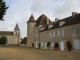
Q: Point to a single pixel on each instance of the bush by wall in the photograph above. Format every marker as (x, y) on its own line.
(48, 44)
(3, 40)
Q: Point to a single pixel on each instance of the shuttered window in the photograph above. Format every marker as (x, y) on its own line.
(74, 31)
(41, 43)
(52, 34)
(61, 33)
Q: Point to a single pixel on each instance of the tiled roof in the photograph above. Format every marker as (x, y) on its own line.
(16, 27)
(6, 33)
(24, 41)
(42, 20)
(31, 19)
(68, 21)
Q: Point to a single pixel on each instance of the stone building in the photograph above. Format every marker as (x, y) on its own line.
(13, 37)
(24, 42)
(43, 30)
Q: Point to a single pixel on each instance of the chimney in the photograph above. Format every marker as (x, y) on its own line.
(47, 20)
(74, 13)
(56, 20)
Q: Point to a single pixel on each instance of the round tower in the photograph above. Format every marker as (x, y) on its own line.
(31, 32)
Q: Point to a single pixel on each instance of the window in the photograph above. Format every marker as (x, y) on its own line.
(61, 33)
(52, 34)
(60, 23)
(40, 29)
(74, 31)
(41, 43)
(52, 45)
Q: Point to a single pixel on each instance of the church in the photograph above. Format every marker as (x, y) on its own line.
(13, 37)
(44, 30)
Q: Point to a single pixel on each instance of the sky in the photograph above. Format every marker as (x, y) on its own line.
(19, 11)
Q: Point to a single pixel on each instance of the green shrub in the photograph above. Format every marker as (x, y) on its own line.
(56, 46)
(69, 45)
(3, 40)
(48, 44)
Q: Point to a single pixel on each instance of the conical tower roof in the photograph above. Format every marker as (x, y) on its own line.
(16, 27)
(31, 19)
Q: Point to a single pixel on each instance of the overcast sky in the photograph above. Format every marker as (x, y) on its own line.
(19, 12)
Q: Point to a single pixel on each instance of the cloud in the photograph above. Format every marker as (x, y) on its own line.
(20, 11)
(56, 8)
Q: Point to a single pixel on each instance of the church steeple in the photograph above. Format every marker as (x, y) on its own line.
(31, 19)
(17, 27)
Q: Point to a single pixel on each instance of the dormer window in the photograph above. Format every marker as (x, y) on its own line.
(41, 27)
(61, 23)
(50, 26)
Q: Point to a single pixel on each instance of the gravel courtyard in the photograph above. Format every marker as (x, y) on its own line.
(21, 53)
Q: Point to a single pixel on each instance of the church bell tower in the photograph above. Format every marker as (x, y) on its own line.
(16, 35)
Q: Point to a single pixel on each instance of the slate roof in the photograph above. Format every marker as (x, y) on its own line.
(31, 19)
(68, 21)
(16, 27)
(6, 33)
(42, 20)
(24, 41)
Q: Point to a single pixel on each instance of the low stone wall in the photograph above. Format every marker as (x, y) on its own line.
(23, 45)
(3, 45)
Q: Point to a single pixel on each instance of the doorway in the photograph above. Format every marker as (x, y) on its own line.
(33, 45)
(76, 44)
(61, 45)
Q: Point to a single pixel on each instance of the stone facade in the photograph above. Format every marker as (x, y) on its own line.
(68, 36)
(31, 32)
(60, 31)
(13, 37)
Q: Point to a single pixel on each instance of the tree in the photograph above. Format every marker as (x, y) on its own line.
(3, 40)
(56, 46)
(69, 45)
(48, 44)
(3, 9)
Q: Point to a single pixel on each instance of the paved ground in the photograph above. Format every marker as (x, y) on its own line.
(20, 53)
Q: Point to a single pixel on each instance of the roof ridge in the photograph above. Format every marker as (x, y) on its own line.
(42, 18)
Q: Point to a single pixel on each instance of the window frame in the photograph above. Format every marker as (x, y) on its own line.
(61, 33)
(73, 31)
(52, 34)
